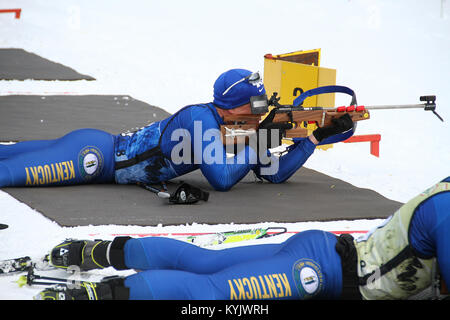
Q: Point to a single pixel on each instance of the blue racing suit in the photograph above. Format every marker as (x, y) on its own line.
(185, 141)
(305, 266)
(429, 231)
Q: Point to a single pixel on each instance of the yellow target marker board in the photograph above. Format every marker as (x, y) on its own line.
(290, 74)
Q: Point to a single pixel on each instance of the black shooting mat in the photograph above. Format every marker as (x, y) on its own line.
(28, 117)
(307, 196)
(18, 64)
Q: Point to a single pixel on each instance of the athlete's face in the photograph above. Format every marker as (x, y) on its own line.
(245, 109)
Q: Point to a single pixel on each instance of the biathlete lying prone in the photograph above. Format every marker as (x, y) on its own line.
(151, 155)
(394, 261)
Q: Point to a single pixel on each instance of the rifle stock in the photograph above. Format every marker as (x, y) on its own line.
(236, 126)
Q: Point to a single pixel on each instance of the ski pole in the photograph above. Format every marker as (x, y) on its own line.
(30, 278)
(159, 193)
(30, 281)
(267, 235)
(23, 281)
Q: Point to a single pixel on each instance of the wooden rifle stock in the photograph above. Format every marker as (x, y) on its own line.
(238, 128)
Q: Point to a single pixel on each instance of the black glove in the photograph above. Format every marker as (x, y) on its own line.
(187, 194)
(341, 124)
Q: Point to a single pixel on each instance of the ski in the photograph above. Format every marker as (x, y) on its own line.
(22, 264)
(212, 239)
(15, 265)
(3, 226)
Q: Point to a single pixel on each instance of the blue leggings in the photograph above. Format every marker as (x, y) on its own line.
(82, 156)
(304, 266)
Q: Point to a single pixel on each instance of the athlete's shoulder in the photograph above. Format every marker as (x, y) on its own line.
(201, 111)
(200, 107)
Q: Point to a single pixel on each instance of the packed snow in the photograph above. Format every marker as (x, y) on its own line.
(168, 54)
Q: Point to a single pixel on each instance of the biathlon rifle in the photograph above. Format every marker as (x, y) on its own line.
(292, 120)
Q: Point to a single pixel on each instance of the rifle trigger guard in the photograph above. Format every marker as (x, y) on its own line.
(291, 117)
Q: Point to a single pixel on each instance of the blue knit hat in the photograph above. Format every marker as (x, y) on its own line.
(232, 90)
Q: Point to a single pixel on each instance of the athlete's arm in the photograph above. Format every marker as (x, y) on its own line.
(301, 150)
(279, 169)
(221, 170)
(429, 231)
(442, 236)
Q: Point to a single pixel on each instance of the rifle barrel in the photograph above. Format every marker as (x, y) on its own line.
(429, 106)
(402, 106)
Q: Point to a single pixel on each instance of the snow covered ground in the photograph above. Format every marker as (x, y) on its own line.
(168, 54)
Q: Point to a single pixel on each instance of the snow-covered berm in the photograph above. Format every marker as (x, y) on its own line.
(168, 54)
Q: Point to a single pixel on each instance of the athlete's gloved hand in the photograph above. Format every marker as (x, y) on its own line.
(340, 125)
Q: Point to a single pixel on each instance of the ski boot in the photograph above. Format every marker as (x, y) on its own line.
(86, 254)
(89, 254)
(110, 288)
